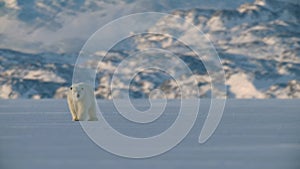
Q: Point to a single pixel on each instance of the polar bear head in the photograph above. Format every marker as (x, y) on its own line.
(78, 91)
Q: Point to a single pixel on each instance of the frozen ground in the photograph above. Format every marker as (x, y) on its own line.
(253, 134)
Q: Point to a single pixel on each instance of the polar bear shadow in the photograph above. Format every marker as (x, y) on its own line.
(81, 102)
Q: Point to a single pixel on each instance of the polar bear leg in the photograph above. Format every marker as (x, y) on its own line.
(72, 110)
(82, 113)
(92, 115)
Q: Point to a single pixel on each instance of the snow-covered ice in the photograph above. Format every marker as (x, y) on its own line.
(252, 134)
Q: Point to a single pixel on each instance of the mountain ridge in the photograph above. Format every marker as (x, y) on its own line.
(258, 43)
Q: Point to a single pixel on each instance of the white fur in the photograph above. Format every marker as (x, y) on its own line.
(81, 101)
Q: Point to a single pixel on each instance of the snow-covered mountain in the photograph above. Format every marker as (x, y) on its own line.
(44, 75)
(259, 44)
(64, 26)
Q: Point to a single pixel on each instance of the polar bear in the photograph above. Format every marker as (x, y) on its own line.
(81, 101)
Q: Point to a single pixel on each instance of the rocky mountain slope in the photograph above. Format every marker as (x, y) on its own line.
(259, 44)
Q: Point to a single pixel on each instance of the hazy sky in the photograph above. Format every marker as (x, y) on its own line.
(37, 26)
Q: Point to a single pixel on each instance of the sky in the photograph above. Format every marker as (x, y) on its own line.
(63, 27)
